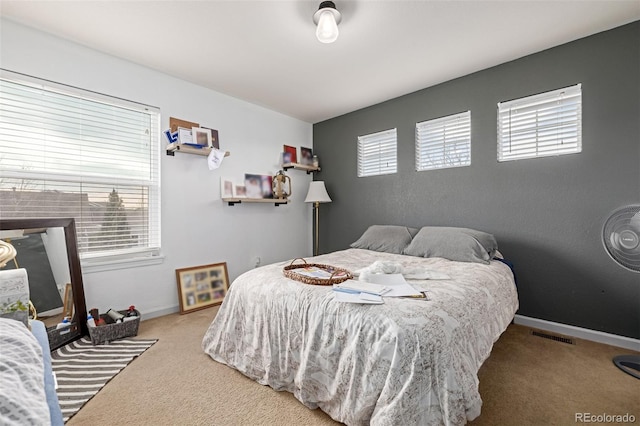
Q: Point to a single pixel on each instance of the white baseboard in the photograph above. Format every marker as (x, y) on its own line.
(580, 333)
(159, 312)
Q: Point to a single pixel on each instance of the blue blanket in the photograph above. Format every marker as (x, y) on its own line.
(40, 331)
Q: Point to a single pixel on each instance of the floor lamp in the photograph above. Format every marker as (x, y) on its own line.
(317, 194)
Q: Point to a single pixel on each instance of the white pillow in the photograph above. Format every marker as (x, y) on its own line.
(14, 295)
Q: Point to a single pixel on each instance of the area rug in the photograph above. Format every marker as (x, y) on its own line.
(82, 369)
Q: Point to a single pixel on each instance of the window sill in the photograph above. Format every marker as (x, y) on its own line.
(90, 266)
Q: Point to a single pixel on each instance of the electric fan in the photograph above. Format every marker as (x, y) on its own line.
(621, 238)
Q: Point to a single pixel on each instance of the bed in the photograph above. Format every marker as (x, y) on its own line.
(27, 389)
(27, 383)
(407, 361)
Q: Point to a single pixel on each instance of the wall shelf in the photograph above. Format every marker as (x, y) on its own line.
(275, 201)
(298, 166)
(173, 147)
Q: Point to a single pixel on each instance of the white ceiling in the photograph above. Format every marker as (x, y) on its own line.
(265, 52)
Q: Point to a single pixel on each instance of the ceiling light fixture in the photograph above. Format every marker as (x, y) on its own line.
(327, 19)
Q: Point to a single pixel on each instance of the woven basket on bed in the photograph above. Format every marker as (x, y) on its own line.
(338, 275)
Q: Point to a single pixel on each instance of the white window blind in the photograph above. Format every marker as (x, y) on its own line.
(444, 142)
(73, 153)
(377, 153)
(541, 125)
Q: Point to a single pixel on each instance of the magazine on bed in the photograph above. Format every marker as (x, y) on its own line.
(316, 272)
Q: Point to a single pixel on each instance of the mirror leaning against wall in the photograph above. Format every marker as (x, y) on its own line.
(46, 266)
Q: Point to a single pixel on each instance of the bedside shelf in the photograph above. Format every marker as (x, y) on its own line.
(298, 166)
(275, 201)
(173, 147)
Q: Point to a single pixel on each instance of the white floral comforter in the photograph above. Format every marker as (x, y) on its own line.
(406, 362)
(22, 392)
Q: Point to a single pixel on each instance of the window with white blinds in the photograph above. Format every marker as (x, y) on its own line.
(73, 153)
(541, 125)
(444, 142)
(377, 153)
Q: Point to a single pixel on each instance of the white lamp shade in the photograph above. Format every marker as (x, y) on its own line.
(317, 193)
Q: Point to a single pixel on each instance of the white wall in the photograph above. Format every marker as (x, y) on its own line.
(197, 228)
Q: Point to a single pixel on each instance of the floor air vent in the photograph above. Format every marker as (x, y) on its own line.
(562, 339)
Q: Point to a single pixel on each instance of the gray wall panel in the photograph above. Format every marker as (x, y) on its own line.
(546, 213)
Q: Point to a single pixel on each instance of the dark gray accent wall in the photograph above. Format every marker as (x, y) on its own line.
(546, 213)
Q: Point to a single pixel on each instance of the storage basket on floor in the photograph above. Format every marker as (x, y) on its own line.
(112, 330)
(61, 336)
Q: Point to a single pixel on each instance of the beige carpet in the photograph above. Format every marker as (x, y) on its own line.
(528, 380)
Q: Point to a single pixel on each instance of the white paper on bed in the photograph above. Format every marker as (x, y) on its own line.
(398, 285)
(364, 298)
(353, 286)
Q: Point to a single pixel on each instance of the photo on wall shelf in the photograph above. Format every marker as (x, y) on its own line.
(307, 156)
(231, 188)
(215, 140)
(175, 123)
(185, 136)
(289, 155)
(201, 137)
(202, 286)
(226, 187)
(258, 186)
(239, 191)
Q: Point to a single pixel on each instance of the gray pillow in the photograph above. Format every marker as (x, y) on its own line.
(459, 244)
(385, 238)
